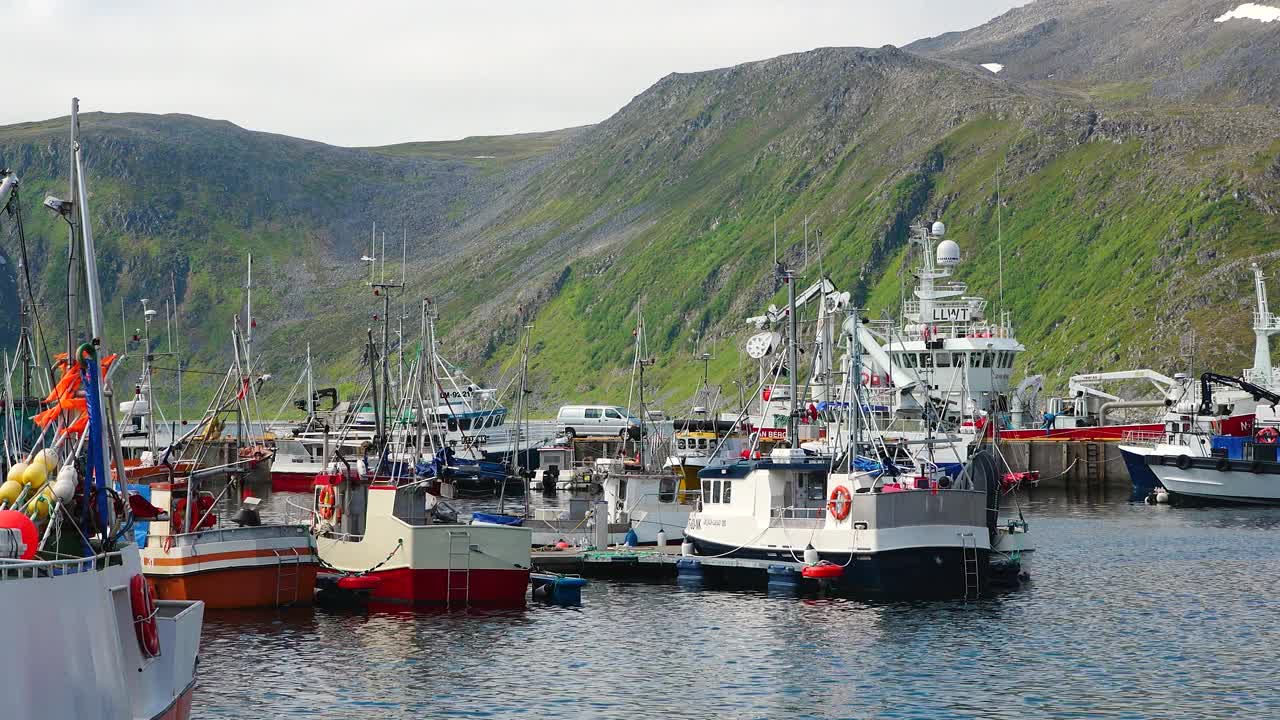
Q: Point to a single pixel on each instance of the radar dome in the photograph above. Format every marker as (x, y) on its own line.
(939, 228)
(948, 253)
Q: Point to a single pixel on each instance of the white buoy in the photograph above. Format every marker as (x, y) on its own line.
(662, 538)
(64, 488)
(811, 555)
(686, 547)
(1162, 496)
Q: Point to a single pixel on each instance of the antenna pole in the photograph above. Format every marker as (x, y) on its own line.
(1000, 236)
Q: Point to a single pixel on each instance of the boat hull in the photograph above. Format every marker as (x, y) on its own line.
(1139, 474)
(433, 587)
(923, 572)
(181, 707)
(241, 587)
(1218, 480)
(233, 568)
(293, 480)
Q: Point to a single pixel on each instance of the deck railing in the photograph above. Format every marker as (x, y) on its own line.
(11, 569)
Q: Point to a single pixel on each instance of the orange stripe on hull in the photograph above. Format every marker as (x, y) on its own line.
(216, 557)
(239, 588)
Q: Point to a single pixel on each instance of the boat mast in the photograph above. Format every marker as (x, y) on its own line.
(793, 428)
(248, 318)
(372, 351)
(417, 396)
(80, 195)
(522, 411)
(311, 390)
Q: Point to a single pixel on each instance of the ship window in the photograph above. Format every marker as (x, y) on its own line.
(611, 413)
(704, 444)
(453, 425)
(926, 360)
(910, 359)
(593, 413)
(986, 359)
(706, 491)
(957, 359)
(728, 486)
(679, 443)
(943, 359)
(715, 491)
(667, 490)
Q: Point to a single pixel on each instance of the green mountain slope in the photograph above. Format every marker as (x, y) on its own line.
(1127, 220)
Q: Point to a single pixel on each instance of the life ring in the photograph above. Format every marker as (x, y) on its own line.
(1183, 462)
(841, 502)
(327, 503)
(144, 616)
(1267, 435)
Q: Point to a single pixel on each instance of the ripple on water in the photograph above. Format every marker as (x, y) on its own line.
(1134, 612)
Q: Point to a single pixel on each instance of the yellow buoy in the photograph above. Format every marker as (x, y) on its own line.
(15, 472)
(10, 490)
(36, 475)
(41, 504)
(47, 457)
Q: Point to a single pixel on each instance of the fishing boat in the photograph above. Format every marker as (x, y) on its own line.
(1207, 468)
(393, 541)
(240, 562)
(854, 521)
(89, 639)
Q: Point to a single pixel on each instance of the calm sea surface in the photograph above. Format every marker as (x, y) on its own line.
(1133, 611)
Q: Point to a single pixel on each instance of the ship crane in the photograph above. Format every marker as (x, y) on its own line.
(1265, 325)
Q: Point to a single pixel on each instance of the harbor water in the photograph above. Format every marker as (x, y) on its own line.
(1134, 611)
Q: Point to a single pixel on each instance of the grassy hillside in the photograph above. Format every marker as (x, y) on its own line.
(1126, 222)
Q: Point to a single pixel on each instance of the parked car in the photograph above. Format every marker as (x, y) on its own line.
(595, 420)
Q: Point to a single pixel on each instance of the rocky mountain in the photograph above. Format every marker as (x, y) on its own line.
(1221, 51)
(1126, 217)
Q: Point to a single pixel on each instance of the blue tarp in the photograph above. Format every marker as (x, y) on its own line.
(1233, 445)
(496, 519)
(141, 527)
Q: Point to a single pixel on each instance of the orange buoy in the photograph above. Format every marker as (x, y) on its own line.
(823, 571)
(14, 520)
(144, 616)
(841, 502)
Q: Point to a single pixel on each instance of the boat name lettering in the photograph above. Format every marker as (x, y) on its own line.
(950, 314)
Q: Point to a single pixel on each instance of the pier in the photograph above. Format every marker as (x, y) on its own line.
(1069, 462)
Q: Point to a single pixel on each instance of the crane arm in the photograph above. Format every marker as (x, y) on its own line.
(1208, 380)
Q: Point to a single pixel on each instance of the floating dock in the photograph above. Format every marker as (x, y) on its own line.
(658, 564)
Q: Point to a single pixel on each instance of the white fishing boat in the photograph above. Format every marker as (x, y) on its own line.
(1213, 468)
(88, 639)
(855, 522)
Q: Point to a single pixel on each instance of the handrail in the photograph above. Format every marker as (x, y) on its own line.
(27, 569)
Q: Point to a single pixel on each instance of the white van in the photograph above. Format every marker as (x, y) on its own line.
(580, 420)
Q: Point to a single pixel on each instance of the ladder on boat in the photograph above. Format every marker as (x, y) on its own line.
(969, 554)
(288, 576)
(458, 576)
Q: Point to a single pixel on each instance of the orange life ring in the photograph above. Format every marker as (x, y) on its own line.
(327, 504)
(144, 616)
(841, 502)
(1267, 436)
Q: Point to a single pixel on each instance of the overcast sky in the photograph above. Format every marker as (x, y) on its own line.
(372, 72)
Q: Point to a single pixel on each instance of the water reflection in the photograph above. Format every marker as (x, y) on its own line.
(1134, 611)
